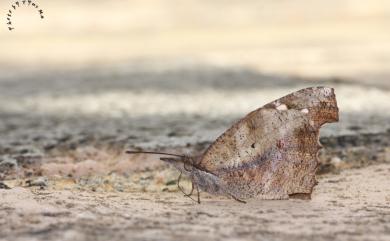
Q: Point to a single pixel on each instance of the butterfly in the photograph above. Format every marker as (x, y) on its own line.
(271, 153)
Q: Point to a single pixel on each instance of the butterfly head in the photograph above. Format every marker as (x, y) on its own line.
(184, 164)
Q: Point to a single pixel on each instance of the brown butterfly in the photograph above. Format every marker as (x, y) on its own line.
(271, 153)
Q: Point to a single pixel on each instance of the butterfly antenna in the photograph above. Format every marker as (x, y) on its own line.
(153, 152)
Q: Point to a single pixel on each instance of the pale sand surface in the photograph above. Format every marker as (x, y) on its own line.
(354, 205)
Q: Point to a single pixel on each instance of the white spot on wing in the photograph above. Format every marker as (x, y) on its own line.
(282, 107)
(327, 91)
(305, 111)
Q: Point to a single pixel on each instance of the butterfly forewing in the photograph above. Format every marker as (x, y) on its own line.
(272, 151)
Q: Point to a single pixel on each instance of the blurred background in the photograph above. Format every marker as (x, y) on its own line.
(305, 38)
(164, 74)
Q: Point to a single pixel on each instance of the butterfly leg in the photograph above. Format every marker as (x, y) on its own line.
(178, 183)
(238, 200)
(192, 190)
(182, 190)
(197, 190)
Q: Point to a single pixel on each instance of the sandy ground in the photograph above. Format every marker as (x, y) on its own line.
(353, 205)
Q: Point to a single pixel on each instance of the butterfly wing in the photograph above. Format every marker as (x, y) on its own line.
(272, 152)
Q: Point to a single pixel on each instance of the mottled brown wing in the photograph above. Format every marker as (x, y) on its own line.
(272, 152)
